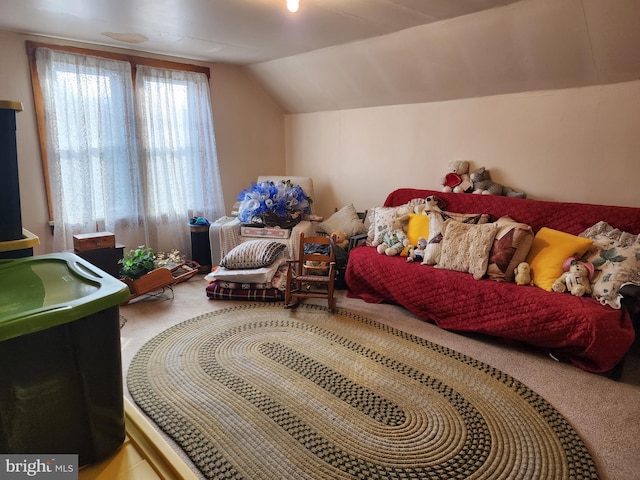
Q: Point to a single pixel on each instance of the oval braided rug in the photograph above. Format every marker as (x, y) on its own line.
(260, 392)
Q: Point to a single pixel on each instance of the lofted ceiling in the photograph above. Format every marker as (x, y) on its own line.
(342, 54)
(234, 31)
(524, 46)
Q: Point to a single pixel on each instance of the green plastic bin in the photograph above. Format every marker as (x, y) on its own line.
(60, 365)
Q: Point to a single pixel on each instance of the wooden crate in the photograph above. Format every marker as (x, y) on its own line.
(92, 241)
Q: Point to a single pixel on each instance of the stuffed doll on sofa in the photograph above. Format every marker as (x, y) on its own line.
(576, 280)
(393, 240)
(415, 253)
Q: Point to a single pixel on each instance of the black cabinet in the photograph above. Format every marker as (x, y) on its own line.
(105, 258)
(200, 247)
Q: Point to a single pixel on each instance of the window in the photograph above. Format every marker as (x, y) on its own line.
(128, 147)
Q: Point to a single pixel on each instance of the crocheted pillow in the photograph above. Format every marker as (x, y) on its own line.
(465, 247)
(436, 220)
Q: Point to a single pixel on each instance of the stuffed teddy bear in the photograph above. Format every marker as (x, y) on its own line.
(576, 281)
(457, 180)
(416, 252)
(340, 239)
(482, 183)
(523, 274)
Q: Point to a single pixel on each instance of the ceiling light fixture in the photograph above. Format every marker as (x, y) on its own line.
(292, 5)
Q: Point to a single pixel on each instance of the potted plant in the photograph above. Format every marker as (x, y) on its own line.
(141, 273)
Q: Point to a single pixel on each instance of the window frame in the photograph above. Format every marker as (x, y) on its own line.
(133, 60)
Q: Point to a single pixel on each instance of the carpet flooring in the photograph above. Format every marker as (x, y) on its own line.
(257, 391)
(603, 412)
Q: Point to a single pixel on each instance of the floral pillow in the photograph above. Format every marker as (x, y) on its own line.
(436, 220)
(603, 228)
(465, 247)
(381, 220)
(616, 258)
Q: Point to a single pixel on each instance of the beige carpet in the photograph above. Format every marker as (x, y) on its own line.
(602, 412)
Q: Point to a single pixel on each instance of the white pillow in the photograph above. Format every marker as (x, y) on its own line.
(346, 220)
(253, 275)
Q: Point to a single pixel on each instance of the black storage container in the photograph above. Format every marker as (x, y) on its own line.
(61, 371)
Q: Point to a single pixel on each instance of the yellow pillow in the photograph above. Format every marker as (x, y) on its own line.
(417, 227)
(549, 249)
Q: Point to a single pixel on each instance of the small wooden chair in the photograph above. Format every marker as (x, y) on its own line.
(312, 274)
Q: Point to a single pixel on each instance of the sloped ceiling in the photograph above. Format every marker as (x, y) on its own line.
(231, 31)
(341, 54)
(522, 46)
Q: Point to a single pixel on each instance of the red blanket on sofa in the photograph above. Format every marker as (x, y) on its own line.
(580, 330)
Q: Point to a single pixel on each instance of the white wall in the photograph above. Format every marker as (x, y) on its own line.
(249, 130)
(580, 145)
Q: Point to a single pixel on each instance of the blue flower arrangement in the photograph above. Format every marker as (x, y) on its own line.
(284, 199)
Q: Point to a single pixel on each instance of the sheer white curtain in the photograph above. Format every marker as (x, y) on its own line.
(180, 163)
(94, 171)
(139, 168)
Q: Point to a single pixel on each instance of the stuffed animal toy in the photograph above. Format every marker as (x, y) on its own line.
(457, 180)
(393, 243)
(394, 240)
(576, 281)
(431, 204)
(416, 252)
(415, 205)
(340, 239)
(482, 183)
(523, 274)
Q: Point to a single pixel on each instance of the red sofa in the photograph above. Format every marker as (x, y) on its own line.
(579, 330)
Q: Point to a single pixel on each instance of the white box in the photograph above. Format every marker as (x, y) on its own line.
(279, 233)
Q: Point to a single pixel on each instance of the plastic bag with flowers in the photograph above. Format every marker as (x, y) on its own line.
(270, 204)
